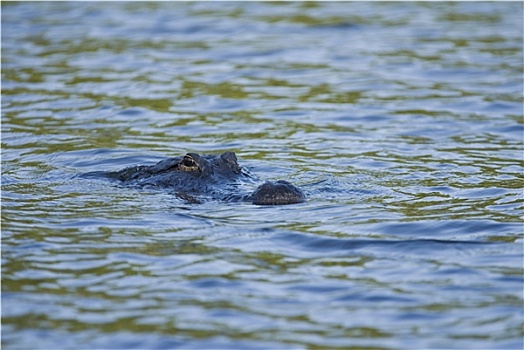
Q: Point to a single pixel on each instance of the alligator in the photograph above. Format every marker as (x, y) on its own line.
(195, 176)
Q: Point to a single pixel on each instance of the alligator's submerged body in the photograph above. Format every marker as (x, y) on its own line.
(193, 176)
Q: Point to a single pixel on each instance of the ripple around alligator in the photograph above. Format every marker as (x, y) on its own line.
(402, 123)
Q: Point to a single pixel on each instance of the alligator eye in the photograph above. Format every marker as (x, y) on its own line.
(188, 161)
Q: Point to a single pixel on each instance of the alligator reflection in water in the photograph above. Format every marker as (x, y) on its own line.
(195, 175)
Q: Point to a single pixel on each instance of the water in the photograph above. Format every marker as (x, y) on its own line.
(402, 122)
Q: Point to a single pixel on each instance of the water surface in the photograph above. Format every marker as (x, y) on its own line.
(402, 122)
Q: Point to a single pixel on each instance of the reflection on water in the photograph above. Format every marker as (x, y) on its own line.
(401, 121)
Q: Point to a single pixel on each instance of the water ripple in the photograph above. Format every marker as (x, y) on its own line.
(402, 122)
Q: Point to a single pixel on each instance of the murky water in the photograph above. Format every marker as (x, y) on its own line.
(402, 122)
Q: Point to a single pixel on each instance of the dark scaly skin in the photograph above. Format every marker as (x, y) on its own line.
(278, 192)
(214, 176)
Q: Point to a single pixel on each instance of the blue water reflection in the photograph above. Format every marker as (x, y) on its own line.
(402, 123)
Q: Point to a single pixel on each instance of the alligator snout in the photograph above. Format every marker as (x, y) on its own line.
(276, 193)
